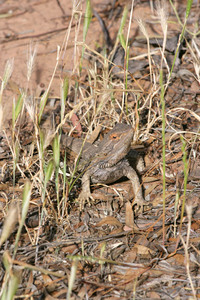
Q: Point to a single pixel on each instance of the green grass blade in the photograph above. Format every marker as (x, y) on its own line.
(56, 150)
(72, 278)
(163, 146)
(188, 8)
(18, 106)
(12, 287)
(86, 24)
(25, 200)
(9, 224)
(25, 205)
(121, 28)
(87, 19)
(49, 171)
(42, 106)
(64, 93)
(56, 156)
(185, 171)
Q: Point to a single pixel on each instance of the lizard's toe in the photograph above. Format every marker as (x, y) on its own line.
(140, 202)
(84, 197)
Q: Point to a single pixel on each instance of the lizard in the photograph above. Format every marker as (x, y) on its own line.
(107, 162)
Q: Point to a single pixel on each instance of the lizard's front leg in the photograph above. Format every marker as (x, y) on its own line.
(131, 174)
(85, 194)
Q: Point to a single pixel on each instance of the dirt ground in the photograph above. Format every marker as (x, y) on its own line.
(44, 24)
(113, 250)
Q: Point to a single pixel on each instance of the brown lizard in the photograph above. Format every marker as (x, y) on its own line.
(107, 162)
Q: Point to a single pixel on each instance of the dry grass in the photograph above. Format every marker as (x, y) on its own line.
(92, 254)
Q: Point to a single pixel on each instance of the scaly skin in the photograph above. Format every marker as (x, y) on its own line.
(106, 163)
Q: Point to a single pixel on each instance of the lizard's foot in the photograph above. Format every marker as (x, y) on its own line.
(85, 197)
(140, 202)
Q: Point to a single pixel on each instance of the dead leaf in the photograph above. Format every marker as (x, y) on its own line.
(143, 250)
(153, 295)
(129, 215)
(76, 123)
(94, 134)
(109, 221)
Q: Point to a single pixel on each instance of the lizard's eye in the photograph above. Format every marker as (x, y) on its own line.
(114, 137)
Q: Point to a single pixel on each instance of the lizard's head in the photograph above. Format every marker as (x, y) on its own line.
(116, 143)
(121, 137)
